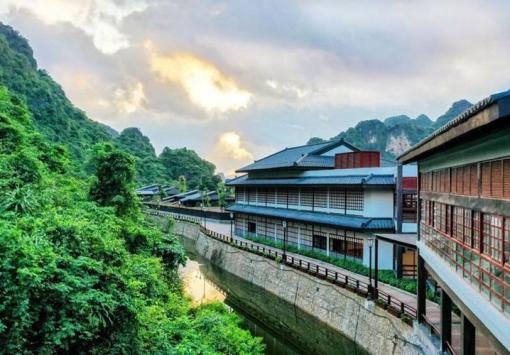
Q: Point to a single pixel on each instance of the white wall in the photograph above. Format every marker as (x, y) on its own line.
(385, 255)
(409, 228)
(378, 203)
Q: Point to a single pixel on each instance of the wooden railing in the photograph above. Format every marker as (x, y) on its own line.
(362, 288)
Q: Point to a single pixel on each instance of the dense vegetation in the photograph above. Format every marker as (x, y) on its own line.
(394, 135)
(81, 269)
(61, 122)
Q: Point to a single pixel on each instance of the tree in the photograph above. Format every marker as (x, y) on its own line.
(222, 195)
(204, 194)
(114, 179)
(182, 184)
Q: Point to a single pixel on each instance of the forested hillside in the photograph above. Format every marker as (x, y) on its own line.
(394, 135)
(61, 122)
(81, 269)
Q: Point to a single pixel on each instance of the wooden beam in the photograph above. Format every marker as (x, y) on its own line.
(468, 336)
(421, 290)
(446, 320)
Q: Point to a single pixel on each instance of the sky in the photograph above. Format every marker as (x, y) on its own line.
(237, 80)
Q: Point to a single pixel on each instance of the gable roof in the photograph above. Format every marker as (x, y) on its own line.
(463, 124)
(303, 156)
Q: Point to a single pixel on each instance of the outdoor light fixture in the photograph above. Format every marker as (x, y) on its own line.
(284, 224)
(231, 215)
(370, 242)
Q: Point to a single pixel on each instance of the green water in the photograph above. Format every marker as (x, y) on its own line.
(286, 330)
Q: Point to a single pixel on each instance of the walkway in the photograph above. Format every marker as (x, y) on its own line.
(398, 299)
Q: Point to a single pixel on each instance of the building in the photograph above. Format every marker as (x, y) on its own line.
(150, 192)
(198, 198)
(329, 197)
(464, 223)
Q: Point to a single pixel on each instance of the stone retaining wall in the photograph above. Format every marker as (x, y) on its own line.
(369, 326)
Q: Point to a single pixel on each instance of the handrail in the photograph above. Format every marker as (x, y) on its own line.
(388, 302)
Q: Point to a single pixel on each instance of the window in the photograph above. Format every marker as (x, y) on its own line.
(252, 195)
(319, 241)
(321, 198)
(240, 196)
(306, 195)
(262, 196)
(337, 199)
(507, 244)
(252, 227)
(354, 200)
(271, 197)
(293, 199)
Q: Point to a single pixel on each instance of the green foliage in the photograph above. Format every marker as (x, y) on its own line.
(149, 169)
(53, 113)
(222, 194)
(61, 122)
(182, 184)
(184, 162)
(386, 276)
(114, 179)
(78, 276)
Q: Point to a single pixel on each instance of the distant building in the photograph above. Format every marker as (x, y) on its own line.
(197, 199)
(464, 222)
(150, 192)
(329, 197)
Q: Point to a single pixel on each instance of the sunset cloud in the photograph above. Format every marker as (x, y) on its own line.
(231, 152)
(131, 99)
(206, 86)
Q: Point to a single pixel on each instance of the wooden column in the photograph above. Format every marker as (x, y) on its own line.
(398, 262)
(446, 320)
(376, 271)
(421, 307)
(468, 336)
(400, 197)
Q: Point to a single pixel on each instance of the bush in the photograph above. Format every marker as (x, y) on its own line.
(385, 276)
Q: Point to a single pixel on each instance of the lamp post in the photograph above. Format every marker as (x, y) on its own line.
(370, 288)
(231, 227)
(284, 224)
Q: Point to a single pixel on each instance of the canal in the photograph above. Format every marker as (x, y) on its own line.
(286, 330)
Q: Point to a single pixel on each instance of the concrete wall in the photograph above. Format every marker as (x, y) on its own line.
(371, 327)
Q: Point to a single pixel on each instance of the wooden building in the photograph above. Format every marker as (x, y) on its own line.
(328, 197)
(464, 223)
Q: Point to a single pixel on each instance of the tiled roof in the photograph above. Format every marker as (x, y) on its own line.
(301, 156)
(473, 110)
(369, 179)
(337, 220)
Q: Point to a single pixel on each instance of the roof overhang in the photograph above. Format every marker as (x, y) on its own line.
(482, 116)
(335, 220)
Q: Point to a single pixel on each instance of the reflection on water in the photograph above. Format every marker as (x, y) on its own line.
(197, 287)
(286, 329)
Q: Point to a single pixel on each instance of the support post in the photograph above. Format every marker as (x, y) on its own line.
(400, 197)
(421, 308)
(468, 336)
(376, 271)
(399, 261)
(446, 320)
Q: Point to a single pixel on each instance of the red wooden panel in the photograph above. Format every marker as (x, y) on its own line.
(506, 178)
(357, 160)
(454, 180)
(486, 179)
(466, 180)
(497, 179)
(409, 183)
(474, 180)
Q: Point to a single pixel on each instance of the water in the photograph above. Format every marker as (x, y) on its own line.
(285, 329)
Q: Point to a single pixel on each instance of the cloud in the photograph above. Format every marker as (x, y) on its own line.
(131, 99)
(230, 144)
(286, 88)
(206, 86)
(230, 152)
(100, 19)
